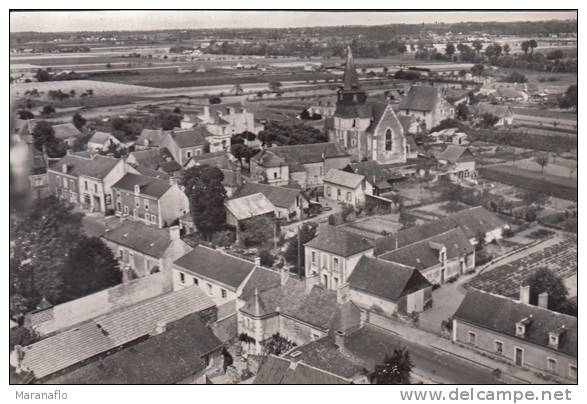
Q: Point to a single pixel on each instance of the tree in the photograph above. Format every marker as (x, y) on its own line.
(42, 75)
(169, 121)
(544, 280)
(489, 120)
(257, 231)
(305, 114)
(555, 54)
(277, 345)
(78, 121)
(570, 98)
(26, 115)
(44, 139)
(48, 110)
(401, 50)
(542, 160)
(214, 100)
(525, 47)
(176, 110)
(506, 49)
(203, 186)
(395, 369)
(241, 151)
(532, 45)
(516, 77)
(449, 50)
(477, 69)
(295, 246)
(479, 240)
(477, 45)
(92, 261)
(275, 86)
(462, 111)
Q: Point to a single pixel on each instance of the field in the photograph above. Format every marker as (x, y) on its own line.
(505, 280)
(557, 186)
(100, 88)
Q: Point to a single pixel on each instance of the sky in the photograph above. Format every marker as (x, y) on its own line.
(58, 21)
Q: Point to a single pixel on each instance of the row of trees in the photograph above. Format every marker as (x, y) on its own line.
(283, 134)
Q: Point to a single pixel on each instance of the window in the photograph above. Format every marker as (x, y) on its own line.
(349, 196)
(96, 188)
(388, 142)
(551, 365)
(338, 192)
(335, 263)
(126, 210)
(118, 206)
(65, 183)
(325, 279)
(335, 283)
(195, 281)
(86, 185)
(137, 202)
(188, 154)
(314, 257)
(135, 213)
(198, 152)
(153, 219)
(472, 338)
(572, 371)
(499, 347)
(146, 205)
(182, 277)
(275, 174)
(209, 288)
(223, 293)
(328, 191)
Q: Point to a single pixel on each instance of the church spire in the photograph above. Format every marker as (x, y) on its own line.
(350, 78)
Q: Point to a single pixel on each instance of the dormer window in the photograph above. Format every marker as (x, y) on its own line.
(137, 189)
(553, 340)
(520, 330)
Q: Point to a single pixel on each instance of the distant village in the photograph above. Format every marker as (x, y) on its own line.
(308, 233)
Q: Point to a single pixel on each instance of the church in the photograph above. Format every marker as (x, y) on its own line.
(368, 130)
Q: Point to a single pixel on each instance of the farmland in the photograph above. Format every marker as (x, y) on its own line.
(79, 86)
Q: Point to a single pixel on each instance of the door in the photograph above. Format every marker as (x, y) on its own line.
(442, 270)
(519, 356)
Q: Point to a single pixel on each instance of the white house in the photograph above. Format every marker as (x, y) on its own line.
(347, 187)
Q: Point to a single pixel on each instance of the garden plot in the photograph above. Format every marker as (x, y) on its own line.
(100, 88)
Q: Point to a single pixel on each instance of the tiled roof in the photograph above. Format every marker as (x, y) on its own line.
(279, 196)
(166, 358)
(420, 98)
(272, 370)
(100, 138)
(454, 153)
(343, 178)
(261, 279)
(249, 206)
(150, 186)
(150, 172)
(149, 158)
(65, 131)
(299, 154)
(275, 370)
(500, 314)
(216, 266)
(217, 159)
(191, 137)
(96, 167)
(499, 111)
(148, 240)
(472, 221)
(423, 254)
(386, 279)
(339, 242)
(377, 174)
(100, 335)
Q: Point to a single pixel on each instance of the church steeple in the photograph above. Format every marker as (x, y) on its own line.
(350, 79)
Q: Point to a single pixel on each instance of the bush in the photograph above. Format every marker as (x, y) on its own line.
(267, 259)
(332, 220)
(224, 238)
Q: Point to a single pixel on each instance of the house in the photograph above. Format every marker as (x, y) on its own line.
(450, 135)
(220, 159)
(247, 207)
(504, 113)
(289, 202)
(457, 162)
(87, 181)
(159, 159)
(365, 129)
(349, 188)
(305, 164)
(379, 176)
(150, 138)
(474, 222)
(388, 286)
(182, 352)
(524, 335)
(410, 124)
(427, 105)
(152, 200)
(221, 122)
(439, 258)
(296, 310)
(102, 141)
(220, 275)
(66, 132)
(323, 107)
(142, 250)
(332, 255)
(185, 143)
(510, 95)
(61, 353)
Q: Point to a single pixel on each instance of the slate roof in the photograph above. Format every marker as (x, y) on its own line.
(343, 178)
(190, 137)
(298, 154)
(377, 174)
(386, 279)
(279, 196)
(499, 111)
(149, 158)
(420, 98)
(217, 159)
(150, 186)
(153, 136)
(275, 370)
(150, 172)
(216, 266)
(339, 242)
(272, 370)
(454, 153)
(407, 121)
(500, 314)
(65, 131)
(261, 279)
(148, 240)
(97, 167)
(471, 221)
(249, 206)
(112, 330)
(166, 358)
(422, 254)
(100, 138)
(350, 77)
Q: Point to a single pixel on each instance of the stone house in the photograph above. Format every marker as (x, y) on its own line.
(427, 105)
(331, 257)
(349, 188)
(504, 113)
(457, 162)
(183, 144)
(524, 335)
(102, 141)
(289, 202)
(376, 284)
(152, 200)
(66, 132)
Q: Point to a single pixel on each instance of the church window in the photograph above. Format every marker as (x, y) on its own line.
(354, 123)
(388, 141)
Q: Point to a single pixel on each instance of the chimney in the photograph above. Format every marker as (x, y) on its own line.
(364, 318)
(543, 300)
(172, 180)
(341, 295)
(64, 168)
(258, 261)
(174, 232)
(159, 328)
(206, 111)
(339, 339)
(525, 294)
